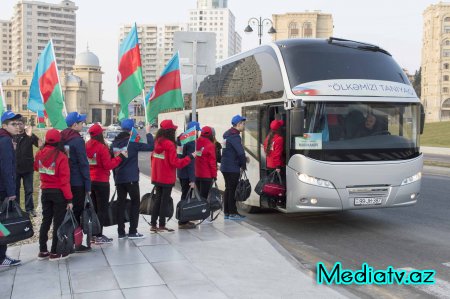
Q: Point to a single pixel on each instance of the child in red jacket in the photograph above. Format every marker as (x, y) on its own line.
(164, 165)
(205, 162)
(274, 147)
(100, 166)
(53, 167)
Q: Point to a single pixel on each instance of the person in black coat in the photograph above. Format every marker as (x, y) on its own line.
(7, 172)
(25, 141)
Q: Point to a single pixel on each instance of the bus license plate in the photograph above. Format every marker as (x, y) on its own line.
(368, 201)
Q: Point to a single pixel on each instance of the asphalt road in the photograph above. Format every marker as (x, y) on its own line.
(437, 158)
(416, 237)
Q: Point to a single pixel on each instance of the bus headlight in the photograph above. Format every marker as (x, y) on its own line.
(412, 179)
(314, 181)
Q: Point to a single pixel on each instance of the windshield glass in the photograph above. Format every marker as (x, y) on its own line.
(342, 131)
(308, 62)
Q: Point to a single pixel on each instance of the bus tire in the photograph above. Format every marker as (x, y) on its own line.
(241, 205)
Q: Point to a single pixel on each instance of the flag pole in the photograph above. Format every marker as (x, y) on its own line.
(145, 107)
(59, 80)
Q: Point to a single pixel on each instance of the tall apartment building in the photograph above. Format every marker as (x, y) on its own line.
(33, 24)
(5, 46)
(214, 16)
(302, 25)
(156, 45)
(435, 90)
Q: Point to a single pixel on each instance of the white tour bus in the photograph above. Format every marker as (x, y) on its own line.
(324, 90)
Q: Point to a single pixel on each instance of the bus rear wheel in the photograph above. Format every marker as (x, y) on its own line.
(247, 208)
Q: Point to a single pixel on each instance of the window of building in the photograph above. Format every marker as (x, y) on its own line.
(9, 107)
(24, 82)
(24, 94)
(446, 53)
(446, 104)
(445, 78)
(8, 95)
(293, 30)
(307, 29)
(447, 19)
(446, 66)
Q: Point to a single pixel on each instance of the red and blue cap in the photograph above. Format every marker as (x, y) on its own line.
(237, 119)
(9, 115)
(75, 117)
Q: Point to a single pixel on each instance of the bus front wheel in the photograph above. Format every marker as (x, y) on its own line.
(247, 208)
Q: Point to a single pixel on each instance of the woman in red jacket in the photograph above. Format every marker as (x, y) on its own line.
(205, 162)
(100, 166)
(53, 167)
(164, 165)
(274, 147)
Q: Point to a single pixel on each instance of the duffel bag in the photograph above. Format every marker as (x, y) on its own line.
(89, 220)
(275, 188)
(113, 211)
(16, 221)
(65, 234)
(193, 207)
(215, 198)
(147, 202)
(243, 189)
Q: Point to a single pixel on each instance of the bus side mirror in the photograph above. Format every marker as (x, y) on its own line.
(297, 119)
(422, 119)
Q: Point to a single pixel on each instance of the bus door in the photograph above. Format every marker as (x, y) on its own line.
(257, 128)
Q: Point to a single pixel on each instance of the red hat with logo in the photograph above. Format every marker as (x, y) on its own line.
(167, 124)
(206, 131)
(52, 136)
(95, 130)
(276, 124)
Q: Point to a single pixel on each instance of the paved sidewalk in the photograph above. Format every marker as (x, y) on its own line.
(435, 150)
(225, 259)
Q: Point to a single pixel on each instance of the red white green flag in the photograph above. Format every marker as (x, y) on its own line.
(129, 78)
(3, 231)
(167, 93)
(188, 136)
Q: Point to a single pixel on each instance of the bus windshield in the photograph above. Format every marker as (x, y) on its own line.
(308, 62)
(359, 131)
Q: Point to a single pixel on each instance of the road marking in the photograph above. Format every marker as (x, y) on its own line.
(446, 264)
(440, 289)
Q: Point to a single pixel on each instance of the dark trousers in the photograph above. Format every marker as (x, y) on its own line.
(161, 205)
(79, 196)
(53, 209)
(133, 190)
(184, 191)
(231, 181)
(2, 247)
(100, 199)
(203, 187)
(27, 179)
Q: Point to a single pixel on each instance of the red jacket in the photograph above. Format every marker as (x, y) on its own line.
(53, 170)
(275, 158)
(205, 162)
(165, 162)
(100, 161)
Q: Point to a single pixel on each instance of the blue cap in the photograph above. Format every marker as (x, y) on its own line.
(127, 124)
(192, 124)
(10, 115)
(74, 117)
(237, 119)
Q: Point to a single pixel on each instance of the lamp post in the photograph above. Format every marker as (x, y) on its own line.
(260, 23)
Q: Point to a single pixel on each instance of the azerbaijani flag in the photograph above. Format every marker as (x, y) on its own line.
(188, 136)
(2, 100)
(4, 232)
(129, 78)
(40, 119)
(134, 136)
(167, 91)
(45, 90)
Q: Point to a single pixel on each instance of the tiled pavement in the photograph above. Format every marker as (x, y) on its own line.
(225, 259)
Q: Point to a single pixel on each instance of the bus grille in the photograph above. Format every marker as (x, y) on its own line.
(369, 191)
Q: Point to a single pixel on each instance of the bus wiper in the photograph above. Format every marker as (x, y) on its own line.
(374, 49)
(362, 46)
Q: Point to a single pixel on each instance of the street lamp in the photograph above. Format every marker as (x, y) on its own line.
(260, 23)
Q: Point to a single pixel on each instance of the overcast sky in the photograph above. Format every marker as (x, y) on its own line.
(395, 25)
